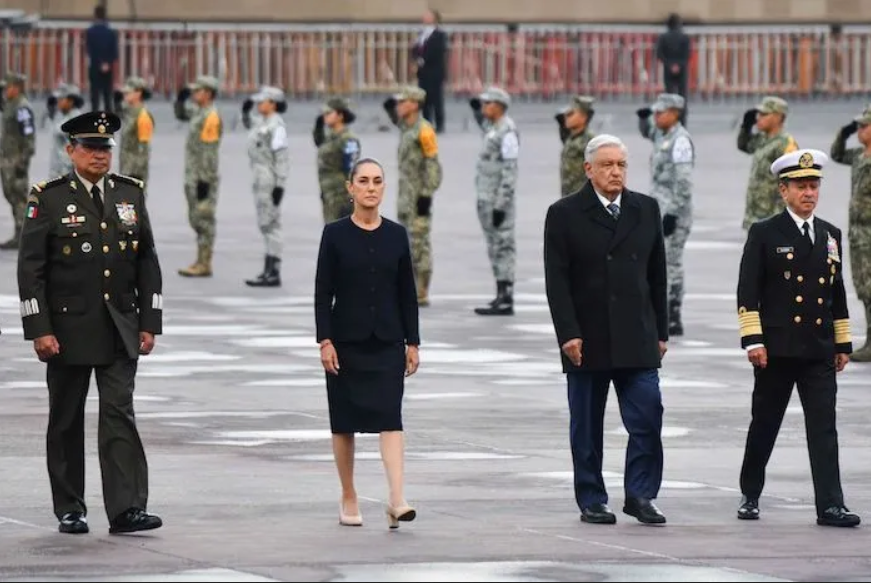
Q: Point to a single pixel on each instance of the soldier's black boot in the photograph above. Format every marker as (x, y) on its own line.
(503, 305)
(271, 276)
(864, 353)
(675, 326)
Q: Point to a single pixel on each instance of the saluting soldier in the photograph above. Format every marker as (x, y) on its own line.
(671, 168)
(68, 101)
(17, 146)
(420, 175)
(859, 229)
(792, 310)
(137, 129)
(90, 288)
(202, 177)
(765, 146)
(269, 159)
(575, 134)
(496, 185)
(338, 151)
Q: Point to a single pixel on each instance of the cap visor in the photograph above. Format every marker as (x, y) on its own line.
(98, 142)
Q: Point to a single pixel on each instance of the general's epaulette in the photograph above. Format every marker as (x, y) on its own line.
(40, 186)
(129, 180)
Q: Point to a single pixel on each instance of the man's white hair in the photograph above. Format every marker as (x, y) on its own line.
(603, 141)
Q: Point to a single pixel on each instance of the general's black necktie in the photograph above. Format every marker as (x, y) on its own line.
(806, 227)
(98, 200)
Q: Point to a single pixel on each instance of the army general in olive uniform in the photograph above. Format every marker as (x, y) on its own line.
(768, 144)
(575, 134)
(792, 311)
(17, 146)
(90, 288)
(859, 232)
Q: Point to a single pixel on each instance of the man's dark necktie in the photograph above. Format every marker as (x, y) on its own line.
(614, 210)
(98, 200)
(806, 227)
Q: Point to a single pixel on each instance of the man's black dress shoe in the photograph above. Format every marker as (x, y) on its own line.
(644, 510)
(749, 508)
(134, 520)
(73, 523)
(598, 514)
(838, 516)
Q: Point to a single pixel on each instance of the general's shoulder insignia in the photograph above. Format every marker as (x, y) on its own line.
(38, 187)
(46, 184)
(129, 180)
(742, 310)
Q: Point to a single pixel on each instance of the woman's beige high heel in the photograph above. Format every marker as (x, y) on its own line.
(349, 519)
(399, 514)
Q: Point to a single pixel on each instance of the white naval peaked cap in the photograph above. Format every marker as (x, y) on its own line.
(803, 163)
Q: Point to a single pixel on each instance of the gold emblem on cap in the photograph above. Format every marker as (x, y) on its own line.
(101, 128)
(806, 160)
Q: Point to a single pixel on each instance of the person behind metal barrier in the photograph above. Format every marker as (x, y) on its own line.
(68, 101)
(859, 232)
(671, 168)
(17, 146)
(202, 176)
(420, 175)
(765, 146)
(575, 134)
(269, 159)
(338, 150)
(673, 50)
(795, 327)
(137, 129)
(90, 286)
(496, 185)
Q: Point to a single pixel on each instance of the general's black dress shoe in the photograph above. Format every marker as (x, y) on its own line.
(134, 520)
(644, 510)
(749, 509)
(598, 514)
(73, 523)
(838, 516)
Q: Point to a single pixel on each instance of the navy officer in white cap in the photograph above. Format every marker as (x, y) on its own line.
(792, 310)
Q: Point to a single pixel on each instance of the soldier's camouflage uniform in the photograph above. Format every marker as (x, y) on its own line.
(420, 175)
(202, 177)
(671, 167)
(496, 184)
(60, 163)
(136, 133)
(572, 173)
(17, 146)
(859, 231)
(763, 196)
(337, 154)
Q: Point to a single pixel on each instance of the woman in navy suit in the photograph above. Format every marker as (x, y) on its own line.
(367, 325)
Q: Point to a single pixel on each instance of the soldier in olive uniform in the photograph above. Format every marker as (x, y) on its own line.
(671, 167)
(574, 131)
(859, 232)
(202, 178)
(795, 327)
(269, 159)
(768, 144)
(420, 175)
(338, 150)
(496, 183)
(68, 101)
(90, 288)
(137, 128)
(17, 146)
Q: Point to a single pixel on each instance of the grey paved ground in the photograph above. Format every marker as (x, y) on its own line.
(233, 413)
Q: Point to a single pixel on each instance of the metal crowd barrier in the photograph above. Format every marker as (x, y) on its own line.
(535, 63)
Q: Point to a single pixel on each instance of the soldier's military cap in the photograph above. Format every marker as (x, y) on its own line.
(269, 93)
(581, 103)
(411, 93)
(137, 84)
(94, 128)
(205, 82)
(496, 95)
(772, 104)
(864, 118)
(342, 106)
(13, 78)
(666, 101)
(70, 91)
(800, 164)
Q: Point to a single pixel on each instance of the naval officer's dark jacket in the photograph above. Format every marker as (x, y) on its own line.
(85, 278)
(791, 297)
(606, 279)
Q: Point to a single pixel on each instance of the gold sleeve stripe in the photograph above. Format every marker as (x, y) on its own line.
(750, 324)
(842, 331)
